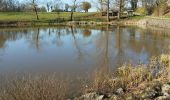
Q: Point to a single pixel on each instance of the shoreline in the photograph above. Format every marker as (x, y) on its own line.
(144, 22)
(126, 82)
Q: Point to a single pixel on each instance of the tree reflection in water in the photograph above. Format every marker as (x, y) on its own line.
(105, 47)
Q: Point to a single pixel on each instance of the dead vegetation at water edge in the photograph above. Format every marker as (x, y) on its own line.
(28, 87)
(149, 81)
(145, 81)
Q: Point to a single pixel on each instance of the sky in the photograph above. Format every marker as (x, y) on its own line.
(93, 3)
(70, 2)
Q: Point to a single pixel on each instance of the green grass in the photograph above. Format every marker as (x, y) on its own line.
(30, 16)
(167, 15)
(54, 16)
(136, 17)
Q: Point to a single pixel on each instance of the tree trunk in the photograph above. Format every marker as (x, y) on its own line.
(118, 16)
(36, 13)
(35, 9)
(134, 4)
(71, 17)
(120, 8)
(108, 8)
(72, 10)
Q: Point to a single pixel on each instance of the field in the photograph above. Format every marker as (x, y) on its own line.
(30, 16)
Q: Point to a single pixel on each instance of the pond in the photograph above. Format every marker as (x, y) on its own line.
(77, 50)
(66, 62)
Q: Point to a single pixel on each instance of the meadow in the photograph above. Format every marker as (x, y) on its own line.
(44, 16)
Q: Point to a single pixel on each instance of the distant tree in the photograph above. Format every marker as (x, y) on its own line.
(57, 8)
(85, 6)
(66, 7)
(108, 10)
(73, 9)
(102, 5)
(10, 5)
(51, 5)
(120, 5)
(42, 9)
(134, 4)
(155, 7)
(48, 7)
(160, 7)
(35, 8)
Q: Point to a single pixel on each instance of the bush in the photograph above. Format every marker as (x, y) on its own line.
(141, 11)
(160, 9)
(133, 79)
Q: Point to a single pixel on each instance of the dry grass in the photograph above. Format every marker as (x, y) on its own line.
(125, 77)
(133, 79)
(40, 86)
(100, 82)
(34, 87)
(131, 76)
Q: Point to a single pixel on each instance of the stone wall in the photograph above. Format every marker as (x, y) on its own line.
(158, 22)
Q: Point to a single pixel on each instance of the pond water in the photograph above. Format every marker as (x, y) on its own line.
(77, 49)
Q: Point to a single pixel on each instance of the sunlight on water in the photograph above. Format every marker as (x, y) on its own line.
(77, 50)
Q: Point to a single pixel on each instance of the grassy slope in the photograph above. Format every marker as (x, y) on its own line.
(167, 15)
(29, 16)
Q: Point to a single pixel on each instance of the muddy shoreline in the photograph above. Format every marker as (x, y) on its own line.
(146, 22)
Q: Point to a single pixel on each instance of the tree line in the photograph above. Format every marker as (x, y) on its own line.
(17, 6)
(78, 5)
(147, 7)
(49, 6)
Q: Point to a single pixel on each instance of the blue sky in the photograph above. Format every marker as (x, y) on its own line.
(42, 2)
(91, 1)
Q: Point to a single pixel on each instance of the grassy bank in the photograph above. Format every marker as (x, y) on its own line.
(45, 19)
(53, 18)
(30, 16)
(141, 82)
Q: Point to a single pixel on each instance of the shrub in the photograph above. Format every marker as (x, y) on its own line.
(141, 11)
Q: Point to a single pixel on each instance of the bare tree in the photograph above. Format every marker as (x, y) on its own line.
(9, 5)
(66, 7)
(48, 6)
(108, 10)
(86, 6)
(133, 4)
(35, 8)
(120, 4)
(105, 7)
(73, 10)
(161, 7)
(102, 5)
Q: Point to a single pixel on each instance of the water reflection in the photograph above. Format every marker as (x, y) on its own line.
(86, 32)
(71, 49)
